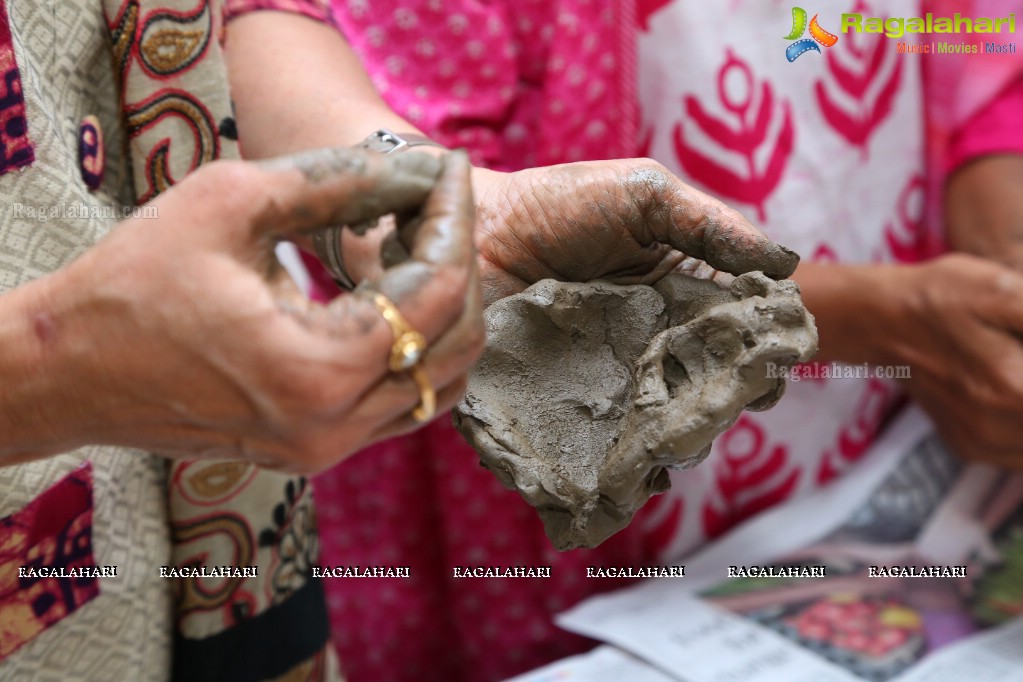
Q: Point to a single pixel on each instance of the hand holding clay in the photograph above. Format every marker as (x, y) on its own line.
(960, 327)
(587, 392)
(183, 336)
(628, 222)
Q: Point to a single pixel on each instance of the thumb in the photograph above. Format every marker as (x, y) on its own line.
(256, 204)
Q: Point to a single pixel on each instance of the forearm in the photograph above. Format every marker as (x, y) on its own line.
(984, 192)
(313, 94)
(855, 308)
(984, 209)
(36, 416)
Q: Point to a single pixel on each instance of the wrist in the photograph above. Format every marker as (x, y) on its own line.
(484, 182)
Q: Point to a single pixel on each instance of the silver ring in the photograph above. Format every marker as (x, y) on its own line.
(327, 245)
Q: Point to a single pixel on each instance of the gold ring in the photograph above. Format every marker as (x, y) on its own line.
(409, 345)
(406, 353)
(427, 397)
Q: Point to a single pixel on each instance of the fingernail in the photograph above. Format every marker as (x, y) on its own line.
(780, 263)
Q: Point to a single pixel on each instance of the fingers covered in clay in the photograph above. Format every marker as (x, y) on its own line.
(626, 221)
(437, 290)
(703, 227)
(227, 357)
(402, 423)
(445, 238)
(346, 186)
(434, 286)
(437, 293)
(733, 245)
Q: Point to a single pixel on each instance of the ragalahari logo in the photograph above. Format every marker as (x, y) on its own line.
(818, 35)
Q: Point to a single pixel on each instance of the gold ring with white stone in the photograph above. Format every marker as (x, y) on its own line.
(406, 353)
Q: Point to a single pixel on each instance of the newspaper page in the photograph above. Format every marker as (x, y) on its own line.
(603, 664)
(910, 569)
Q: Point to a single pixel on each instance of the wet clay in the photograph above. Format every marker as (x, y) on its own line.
(587, 393)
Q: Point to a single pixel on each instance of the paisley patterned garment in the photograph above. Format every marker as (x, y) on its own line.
(106, 104)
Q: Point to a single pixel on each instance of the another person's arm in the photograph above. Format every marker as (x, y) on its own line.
(537, 223)
(984, 192)
(310, 91)
(956, 321)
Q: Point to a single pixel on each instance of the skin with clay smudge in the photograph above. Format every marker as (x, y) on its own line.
(629, 222)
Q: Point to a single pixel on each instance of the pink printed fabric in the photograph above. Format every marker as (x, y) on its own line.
(829, 159)
(996, 129)
(424, 502)
(520, 84)
(956, 91)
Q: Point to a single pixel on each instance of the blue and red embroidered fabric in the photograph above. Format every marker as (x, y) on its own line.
(15, 148)
(52, 535)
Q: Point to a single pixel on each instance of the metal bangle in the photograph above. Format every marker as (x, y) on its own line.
(327, 242)
(388, 142)
(327, 245)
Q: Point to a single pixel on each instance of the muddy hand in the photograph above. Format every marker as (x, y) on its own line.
(628, 221)
(207, 349)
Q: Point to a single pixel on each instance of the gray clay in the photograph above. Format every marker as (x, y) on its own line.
(586, 393)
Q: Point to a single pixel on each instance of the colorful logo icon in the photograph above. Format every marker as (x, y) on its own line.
(818, 35)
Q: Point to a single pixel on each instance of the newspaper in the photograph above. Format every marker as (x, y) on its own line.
(603, 664)
(909, 569)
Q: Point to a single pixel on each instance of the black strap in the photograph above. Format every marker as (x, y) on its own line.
(263, 647)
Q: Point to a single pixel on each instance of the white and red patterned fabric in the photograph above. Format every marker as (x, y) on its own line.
(826, 153)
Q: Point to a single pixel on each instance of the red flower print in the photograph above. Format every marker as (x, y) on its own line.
(857, 69)
(855, 438)
(745, 134)
(751, 475)
(905, 237)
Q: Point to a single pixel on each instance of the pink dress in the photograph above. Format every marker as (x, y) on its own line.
(826, 153)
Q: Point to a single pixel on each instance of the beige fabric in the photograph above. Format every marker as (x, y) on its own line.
(60, 87)
(124, 634)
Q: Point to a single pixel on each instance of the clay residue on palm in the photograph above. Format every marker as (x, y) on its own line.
(586, 393)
